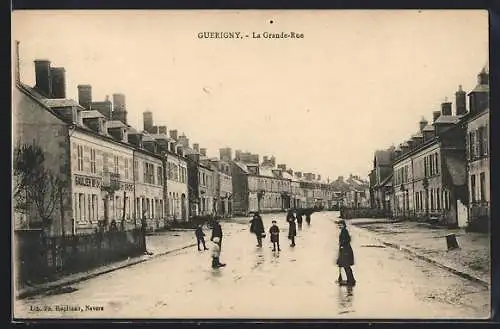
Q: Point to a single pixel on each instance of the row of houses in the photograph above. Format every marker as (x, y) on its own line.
(442, 172)
(114, 172)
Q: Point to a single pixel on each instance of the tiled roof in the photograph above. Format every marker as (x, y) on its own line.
(287, 175)
(132, 130)
(91, 114)
(447, 119)
(115, 124)
(147, 138)
(61, 102)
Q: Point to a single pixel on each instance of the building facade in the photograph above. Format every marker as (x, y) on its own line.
(429, 173)
(477, 123)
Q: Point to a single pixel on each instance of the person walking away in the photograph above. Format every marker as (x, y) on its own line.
(292, 231)
(274, 233)
(200, 237)
(257, 228)
(308, 217)
(216, 253)
(299, 219)
(216, 232)
(346, 255)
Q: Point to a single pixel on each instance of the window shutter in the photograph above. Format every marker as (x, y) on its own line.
(486, 134)
(74, 157)
(467, 145)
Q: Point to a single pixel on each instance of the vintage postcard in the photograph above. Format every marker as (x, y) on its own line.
(256, 164)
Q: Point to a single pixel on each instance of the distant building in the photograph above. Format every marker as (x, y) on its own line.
(382, 169)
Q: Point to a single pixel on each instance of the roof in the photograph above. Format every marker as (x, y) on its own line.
(266, 171)
(115, 124)
(91, 114)
(428, 128)
(242, 166)
(481, 89)
(132, 130)
(60, 102)
(147, 138)
(162, 136)
(387, 181)
(286, 175)
(382, 157)
(417, 135)
(447, 119)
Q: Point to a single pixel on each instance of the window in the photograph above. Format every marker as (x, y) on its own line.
(482, 186)
(81, 210)
(436, 159)
(480, 143)
(80, 157)
(92, 161)
(105, 162)
(432, 199)
(126, 168)
(471, 146)
(116, 164)
(426, 171)
(486, 140)
(438, 199)
(159, 175)
(473, 187)
(89, 208)
(94, 207)
(136, 170)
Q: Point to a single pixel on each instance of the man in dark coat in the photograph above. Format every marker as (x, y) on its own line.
(308, 217)
(346, 256)
(217, 231)
(257, 228)
(292, 230)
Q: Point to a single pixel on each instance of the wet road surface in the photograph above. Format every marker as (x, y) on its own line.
(259, 283)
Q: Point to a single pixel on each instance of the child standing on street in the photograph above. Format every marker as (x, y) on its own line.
(216, 253)
(274, 232)
(200, 237)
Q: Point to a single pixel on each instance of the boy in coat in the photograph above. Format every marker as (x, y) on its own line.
(200, 237)
(274, 232)
(216, 253)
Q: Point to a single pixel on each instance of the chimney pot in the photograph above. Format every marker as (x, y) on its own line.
(173, 134)
(435, 115)
(446, 107)
(196, 147)
(58, 81)
(422, 123)
(85, 95)
(460, 101)
(43, 79)
(203, 152)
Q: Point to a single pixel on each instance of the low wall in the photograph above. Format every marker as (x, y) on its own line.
(348, 213)
(43, 259)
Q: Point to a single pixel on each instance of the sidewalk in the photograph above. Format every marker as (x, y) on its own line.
(159, 244)
(472, 260)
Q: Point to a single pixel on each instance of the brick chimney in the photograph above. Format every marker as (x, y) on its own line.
(196, 147)
(173, 134)
(147, 119)
(298, 174)
(43, 79)
(119, 108)
(58, 81)
(435, 115)
(272, 161)
(237, 155)
(282, 166)
(203, 152)
(319, 177)
(422, 123)
(85, 95)
(446, 107)
(460, 101)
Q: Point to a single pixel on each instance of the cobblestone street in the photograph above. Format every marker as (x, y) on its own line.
(258, 283)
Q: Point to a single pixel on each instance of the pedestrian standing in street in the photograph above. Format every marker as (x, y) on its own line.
(216, 253)
(274, 233)
(292, 230)
(200, 237)
(257, 228)
(345, 257)
(217, 232)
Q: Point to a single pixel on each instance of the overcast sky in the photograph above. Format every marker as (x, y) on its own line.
(358, 80)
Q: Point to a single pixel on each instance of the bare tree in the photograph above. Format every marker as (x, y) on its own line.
(35, 185)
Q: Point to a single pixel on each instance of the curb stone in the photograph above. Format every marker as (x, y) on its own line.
(29, 292)
(430, 260)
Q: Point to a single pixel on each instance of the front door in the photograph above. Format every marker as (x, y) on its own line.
(183, 207)
(462, 214)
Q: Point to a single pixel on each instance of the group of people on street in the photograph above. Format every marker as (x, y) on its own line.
(345, 258)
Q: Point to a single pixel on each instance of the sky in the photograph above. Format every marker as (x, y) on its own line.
(356, 82)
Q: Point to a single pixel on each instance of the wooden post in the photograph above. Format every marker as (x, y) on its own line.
(61, 206)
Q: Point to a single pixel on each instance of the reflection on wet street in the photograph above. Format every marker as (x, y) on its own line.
(297, 282)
